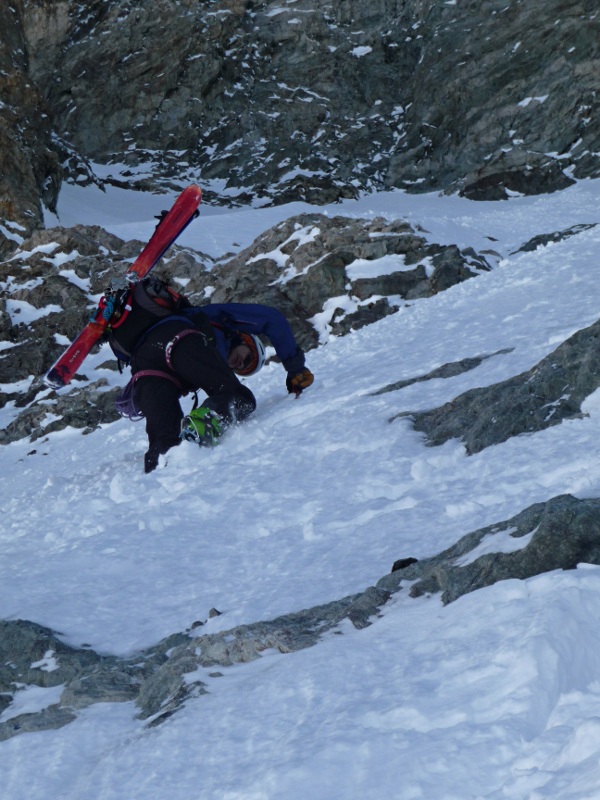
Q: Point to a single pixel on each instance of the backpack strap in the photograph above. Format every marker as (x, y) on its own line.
(176, 339)
(122, 305)
(157, 373)
(125, 402)
(142, 339)
(231, 334)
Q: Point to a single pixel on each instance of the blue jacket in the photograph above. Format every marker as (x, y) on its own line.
(251, 318)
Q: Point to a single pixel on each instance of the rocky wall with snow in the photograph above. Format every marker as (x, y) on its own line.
(295, 100)
(558, 534)
(328, 275)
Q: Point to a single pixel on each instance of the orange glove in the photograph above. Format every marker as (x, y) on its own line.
(300, 381)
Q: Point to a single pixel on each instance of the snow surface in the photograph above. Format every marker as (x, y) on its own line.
(495, 696)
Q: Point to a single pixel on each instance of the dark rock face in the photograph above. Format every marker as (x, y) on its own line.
(298, 266)
(294, 101)
(544, 396)
(32, 655)
(29, 165)
(445, 371)
(551, 238)
(558, 534)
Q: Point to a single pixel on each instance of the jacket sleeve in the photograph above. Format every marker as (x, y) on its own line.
(259, 319)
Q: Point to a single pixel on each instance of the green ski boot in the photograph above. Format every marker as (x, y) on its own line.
(203, 426)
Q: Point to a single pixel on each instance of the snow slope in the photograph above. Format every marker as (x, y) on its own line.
(495, 696)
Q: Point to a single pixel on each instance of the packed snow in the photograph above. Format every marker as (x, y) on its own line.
(494, 696)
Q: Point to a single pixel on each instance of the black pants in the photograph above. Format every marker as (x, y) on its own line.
(197, 365)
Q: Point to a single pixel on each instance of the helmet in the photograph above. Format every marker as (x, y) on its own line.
(257, 356)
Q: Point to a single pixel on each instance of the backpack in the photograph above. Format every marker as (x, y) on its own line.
(147, 303)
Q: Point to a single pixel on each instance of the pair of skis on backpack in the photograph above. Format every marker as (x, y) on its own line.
(171, 225)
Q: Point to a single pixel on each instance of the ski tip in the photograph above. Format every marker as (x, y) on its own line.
(54, 380)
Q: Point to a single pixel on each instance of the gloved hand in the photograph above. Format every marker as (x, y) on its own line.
(297, 382)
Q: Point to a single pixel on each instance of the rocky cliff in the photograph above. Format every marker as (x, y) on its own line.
(30, 171)
(293, 99)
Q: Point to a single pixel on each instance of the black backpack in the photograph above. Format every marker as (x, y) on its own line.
(147, 303)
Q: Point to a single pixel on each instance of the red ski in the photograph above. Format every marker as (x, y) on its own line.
(173, 223)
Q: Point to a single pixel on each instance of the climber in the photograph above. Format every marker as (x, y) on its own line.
(175, 348)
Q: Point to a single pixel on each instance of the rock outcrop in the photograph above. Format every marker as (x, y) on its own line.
(34, 656)
(290, 100)
(545, 395)
(558, 534)
(29, 164)
(367, 266)
(328, 275)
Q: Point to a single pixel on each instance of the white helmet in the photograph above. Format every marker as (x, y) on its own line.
(257, 357)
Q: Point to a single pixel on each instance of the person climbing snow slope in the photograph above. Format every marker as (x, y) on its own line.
(175, 348)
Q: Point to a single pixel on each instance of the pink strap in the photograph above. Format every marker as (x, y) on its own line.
(177, 338)
(156, 373)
